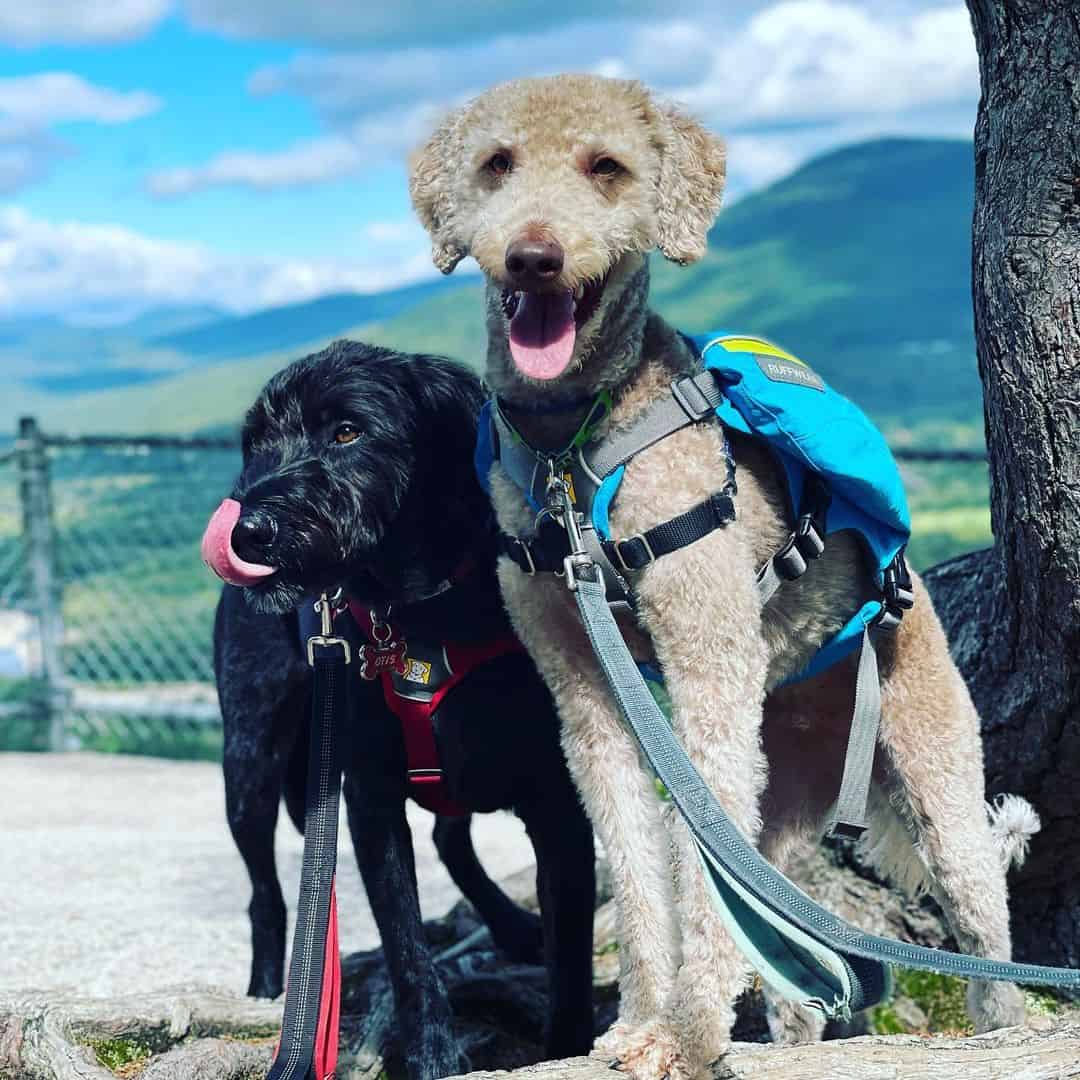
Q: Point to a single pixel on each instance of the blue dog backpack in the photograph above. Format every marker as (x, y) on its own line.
(824, 443)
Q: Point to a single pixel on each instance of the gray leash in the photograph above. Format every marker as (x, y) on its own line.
(804, 951)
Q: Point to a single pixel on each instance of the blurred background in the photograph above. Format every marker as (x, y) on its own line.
(194, 192)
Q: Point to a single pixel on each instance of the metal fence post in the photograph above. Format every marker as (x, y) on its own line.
(45, 591)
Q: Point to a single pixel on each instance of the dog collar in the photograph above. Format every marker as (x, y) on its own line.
(545, 409)
(598, 412)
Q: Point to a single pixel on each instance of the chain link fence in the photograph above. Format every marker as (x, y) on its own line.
(106, 611)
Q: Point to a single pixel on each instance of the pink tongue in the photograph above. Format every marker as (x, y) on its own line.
(217, 549)
(542, 334)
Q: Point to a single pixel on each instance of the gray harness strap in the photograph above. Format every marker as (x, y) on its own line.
(768, 581)
(802, 950)
(692, 400)
(848, 817)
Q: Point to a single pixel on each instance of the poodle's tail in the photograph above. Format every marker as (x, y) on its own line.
(1014, 822)
(890, 848)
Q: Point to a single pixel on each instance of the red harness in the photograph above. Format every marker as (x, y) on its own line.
(415, 679)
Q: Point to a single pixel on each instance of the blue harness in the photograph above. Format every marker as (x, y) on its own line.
(838, 470)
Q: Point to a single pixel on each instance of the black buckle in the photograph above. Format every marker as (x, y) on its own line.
(808, 538)
(691, 399)
(888, 619)
(723, 504)
(897, 594)
(804, 545)
(633, 553)
(897, 586)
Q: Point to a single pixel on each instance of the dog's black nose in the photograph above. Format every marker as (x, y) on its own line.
(253, 534)
(531, 262)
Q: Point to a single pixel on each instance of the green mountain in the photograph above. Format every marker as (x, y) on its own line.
(295, 324)
(859, 262)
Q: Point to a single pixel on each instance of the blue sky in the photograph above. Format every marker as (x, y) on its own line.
(247, 153)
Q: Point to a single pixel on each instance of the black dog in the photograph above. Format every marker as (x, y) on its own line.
(358, 472)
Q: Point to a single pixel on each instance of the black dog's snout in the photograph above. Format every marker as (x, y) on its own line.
(253, 534)
(534, 262)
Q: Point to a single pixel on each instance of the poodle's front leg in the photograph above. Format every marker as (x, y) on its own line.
(708, 642)
(618, 795)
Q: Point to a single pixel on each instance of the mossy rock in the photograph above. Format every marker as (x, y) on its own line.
(124, 1057)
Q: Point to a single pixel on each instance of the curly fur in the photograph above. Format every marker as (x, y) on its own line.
(772, 756)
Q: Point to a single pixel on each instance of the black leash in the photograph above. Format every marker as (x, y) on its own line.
(309, 1028)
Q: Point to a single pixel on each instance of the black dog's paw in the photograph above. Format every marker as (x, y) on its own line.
(436, 1060)
(265, 986)
(520, 938)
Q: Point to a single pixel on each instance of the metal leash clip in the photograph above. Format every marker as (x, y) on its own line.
(579, 563)
(327, 607)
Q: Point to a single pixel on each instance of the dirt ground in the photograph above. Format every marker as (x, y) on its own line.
(118, 874)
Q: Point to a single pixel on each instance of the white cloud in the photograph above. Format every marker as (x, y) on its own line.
(36, 22)
(79, 270)
(793, 59)
(30, 104)
(820, 59)
(395, 233)
(757, 160)
(368, 142)
(306, 162)
(55, 97)
(344, 86)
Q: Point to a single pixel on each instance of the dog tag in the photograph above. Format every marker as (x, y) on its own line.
(385, 653)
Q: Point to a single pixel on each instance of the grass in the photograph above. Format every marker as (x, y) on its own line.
(950, 510)
(939, 997)
(125, 1057)
(941, 1000)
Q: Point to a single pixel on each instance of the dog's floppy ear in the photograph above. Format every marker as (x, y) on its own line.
(689, 184)
(429, 187)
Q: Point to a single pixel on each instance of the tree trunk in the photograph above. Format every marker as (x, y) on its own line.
(1013, 614)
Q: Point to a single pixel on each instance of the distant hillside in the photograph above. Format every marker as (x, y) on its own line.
(859, 262)
(171, 320)
(296, 324)
(49, 355)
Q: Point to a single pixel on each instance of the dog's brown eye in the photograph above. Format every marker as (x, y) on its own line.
(499, 164)
(605, 166)
(346, 433)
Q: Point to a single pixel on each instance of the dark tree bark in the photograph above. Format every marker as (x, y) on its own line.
(1013, 614)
